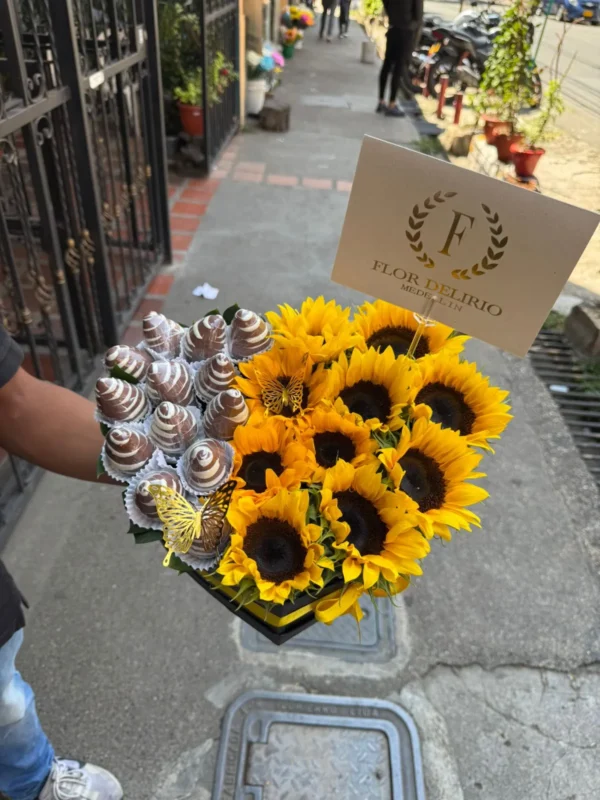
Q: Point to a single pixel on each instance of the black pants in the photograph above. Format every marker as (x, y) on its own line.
(329, 7)
(344, 15)
(397, 53)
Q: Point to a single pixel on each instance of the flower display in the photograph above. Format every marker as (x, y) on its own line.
(315, 462)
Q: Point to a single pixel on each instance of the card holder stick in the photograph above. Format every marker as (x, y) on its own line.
(424, 321)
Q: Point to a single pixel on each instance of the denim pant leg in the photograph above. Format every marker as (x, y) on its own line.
(25, 753)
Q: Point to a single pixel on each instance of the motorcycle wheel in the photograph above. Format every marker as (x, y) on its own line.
(435, 73)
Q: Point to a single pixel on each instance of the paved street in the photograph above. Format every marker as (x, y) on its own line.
(582, 85)
(496, 649)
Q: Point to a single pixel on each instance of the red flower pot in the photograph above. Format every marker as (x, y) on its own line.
(492, 127)
(525, 159)
(503, 144)
(192, 119)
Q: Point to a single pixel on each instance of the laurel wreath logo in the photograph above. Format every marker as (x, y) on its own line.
(416, 222)
(493, 256)
(490, 260)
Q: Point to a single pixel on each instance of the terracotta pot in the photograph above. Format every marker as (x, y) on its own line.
(503, 144)
(492, 127)
(525, 159)
(192, 119)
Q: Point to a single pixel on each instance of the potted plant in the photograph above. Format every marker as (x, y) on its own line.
(258, 69)
(221, 74)
(506, 86)
(526, 154)
(191, 108)
(289, 36)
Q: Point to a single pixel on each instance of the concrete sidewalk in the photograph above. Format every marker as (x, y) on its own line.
(497, 646)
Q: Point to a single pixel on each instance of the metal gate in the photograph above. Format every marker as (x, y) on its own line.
(219, 29)
(83, 191)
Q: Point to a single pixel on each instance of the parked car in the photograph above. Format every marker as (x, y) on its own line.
(571, 10)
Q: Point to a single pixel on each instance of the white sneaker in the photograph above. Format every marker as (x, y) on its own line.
(74, 780)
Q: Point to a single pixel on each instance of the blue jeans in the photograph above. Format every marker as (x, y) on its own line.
(25, 753)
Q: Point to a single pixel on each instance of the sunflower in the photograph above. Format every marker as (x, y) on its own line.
(267, 456)
(375, 386)
(274, 546)
(432, 466)
(280, 382)
(323, 329)
(373, 529)
(383, 325)
(330, 437)
(458, 397)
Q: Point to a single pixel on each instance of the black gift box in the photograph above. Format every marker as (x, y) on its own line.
(278, 623)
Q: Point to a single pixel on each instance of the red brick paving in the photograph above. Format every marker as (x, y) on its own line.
(195, 209)
(197, 195)
(248, 177)
(220, 173)
(344, 186)
(251, 166)
(149, 304)
(133, 335)
(282, 180)
(317, 183)
(206, 184)
(180, 242)
(182, 224)
(161, 285)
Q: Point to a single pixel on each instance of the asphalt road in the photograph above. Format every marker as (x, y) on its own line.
(582, 84)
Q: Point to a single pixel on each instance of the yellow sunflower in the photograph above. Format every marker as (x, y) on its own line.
(268, 457)
(383, 325)
(432, 466)
(323, 329)
(458, 397)
(329, 437)
(373, 526)
(375, 386)
(280, 382)
(274, 546)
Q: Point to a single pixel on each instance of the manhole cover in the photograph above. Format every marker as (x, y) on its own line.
(314, 747)
(341, 639)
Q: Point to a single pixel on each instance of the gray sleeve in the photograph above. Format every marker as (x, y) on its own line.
(11, 357)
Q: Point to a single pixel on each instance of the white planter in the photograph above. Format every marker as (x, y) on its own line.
(299, 44)
(255, 95)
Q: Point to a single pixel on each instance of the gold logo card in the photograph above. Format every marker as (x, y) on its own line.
(496, 256)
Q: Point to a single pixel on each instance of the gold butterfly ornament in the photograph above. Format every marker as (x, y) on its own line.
(278, 395)
(183, 524)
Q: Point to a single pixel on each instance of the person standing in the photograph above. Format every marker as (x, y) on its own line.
(344, 18)
(329, 7)
(404, 17)
(34, 418)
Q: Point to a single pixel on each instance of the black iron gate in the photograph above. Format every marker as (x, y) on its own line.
(83, 192)
(220, 34)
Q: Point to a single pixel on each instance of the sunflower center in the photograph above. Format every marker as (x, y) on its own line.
(277, 549)
(254, 468)
(399, 339)
(448, 407)
(368, 400)
(331, 446)
(423, 480)
(367, 529)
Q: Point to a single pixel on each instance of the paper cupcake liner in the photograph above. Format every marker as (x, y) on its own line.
(180, 467)
(201, 564)
(133, 512)
(116, 474)
(173, 459)
(119, 423)
(157, 356)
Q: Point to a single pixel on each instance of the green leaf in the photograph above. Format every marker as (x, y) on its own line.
(117, 372)
(229, 313)
(133, 528)
(147, 536)
(211, 312)
(100, 467)
(178, 565)
(104, 429)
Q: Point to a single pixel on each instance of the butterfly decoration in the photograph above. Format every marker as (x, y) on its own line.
(280, 394)
(183, 523)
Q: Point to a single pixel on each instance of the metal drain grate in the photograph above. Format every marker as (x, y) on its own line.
(560, 368)
(340, 639)
(314, 747)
